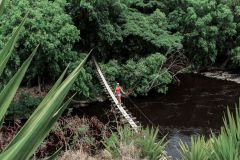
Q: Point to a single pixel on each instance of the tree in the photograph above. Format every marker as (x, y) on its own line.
(140, 76)
(117, 29)
(209, 28)
(47, 25)
(123, 30)
(235, 52)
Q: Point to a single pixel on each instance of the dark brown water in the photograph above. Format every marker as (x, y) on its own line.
(191, 108)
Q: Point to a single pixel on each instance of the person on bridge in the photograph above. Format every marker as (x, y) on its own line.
(118, 93)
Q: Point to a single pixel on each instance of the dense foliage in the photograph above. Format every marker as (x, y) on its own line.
(37, 127)
(146, 74)
(114, 27)
(209, 28)
(23, 106)
(47, 25)
(123, 34)
(136, 40)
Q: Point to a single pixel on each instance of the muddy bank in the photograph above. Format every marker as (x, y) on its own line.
(223, 75)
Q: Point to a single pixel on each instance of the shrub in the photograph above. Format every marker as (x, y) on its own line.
(23, 106)
(143, 144)
(225, 146)
(151, 147)
(199, 149)
(235, 53)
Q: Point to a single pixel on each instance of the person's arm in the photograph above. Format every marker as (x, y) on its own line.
(122, 90)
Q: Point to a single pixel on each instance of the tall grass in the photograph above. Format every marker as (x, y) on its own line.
(225, 146)
(151, 146)
(199, 149)
(144, 144)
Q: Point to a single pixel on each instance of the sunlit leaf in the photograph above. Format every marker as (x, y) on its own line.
(7, 94)
(41, 123)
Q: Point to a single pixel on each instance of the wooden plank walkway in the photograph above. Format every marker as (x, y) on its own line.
(113, 98)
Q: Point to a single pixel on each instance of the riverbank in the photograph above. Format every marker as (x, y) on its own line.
(223, 75)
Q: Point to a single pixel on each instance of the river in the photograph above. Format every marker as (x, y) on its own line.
(193, 107)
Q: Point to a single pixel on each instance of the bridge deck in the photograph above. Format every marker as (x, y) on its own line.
(115, 101)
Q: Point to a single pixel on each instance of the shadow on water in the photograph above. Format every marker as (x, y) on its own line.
(192, 108)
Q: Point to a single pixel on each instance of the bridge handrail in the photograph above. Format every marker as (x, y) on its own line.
(124, 113)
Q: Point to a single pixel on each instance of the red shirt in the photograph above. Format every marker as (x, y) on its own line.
(118, 89)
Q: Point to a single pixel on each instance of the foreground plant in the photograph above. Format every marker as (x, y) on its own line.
(40, 123)
(225, 146)
(11, 88)
(151, 147)
(47, 113)
(126, 143)
(199, 149)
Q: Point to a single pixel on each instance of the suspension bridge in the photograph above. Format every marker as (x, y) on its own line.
(125, 114)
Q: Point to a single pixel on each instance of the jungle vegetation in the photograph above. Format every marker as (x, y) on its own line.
(37, 127)
(142, 44)
(135, 40)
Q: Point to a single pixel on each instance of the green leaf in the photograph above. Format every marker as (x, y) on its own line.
(44, 132)
(7, 50)
(27, 125)
(10, 89)
(41, 124)
(2, 2)
(55, 155)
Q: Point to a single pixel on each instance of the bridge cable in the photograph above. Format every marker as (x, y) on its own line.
(138, 108)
